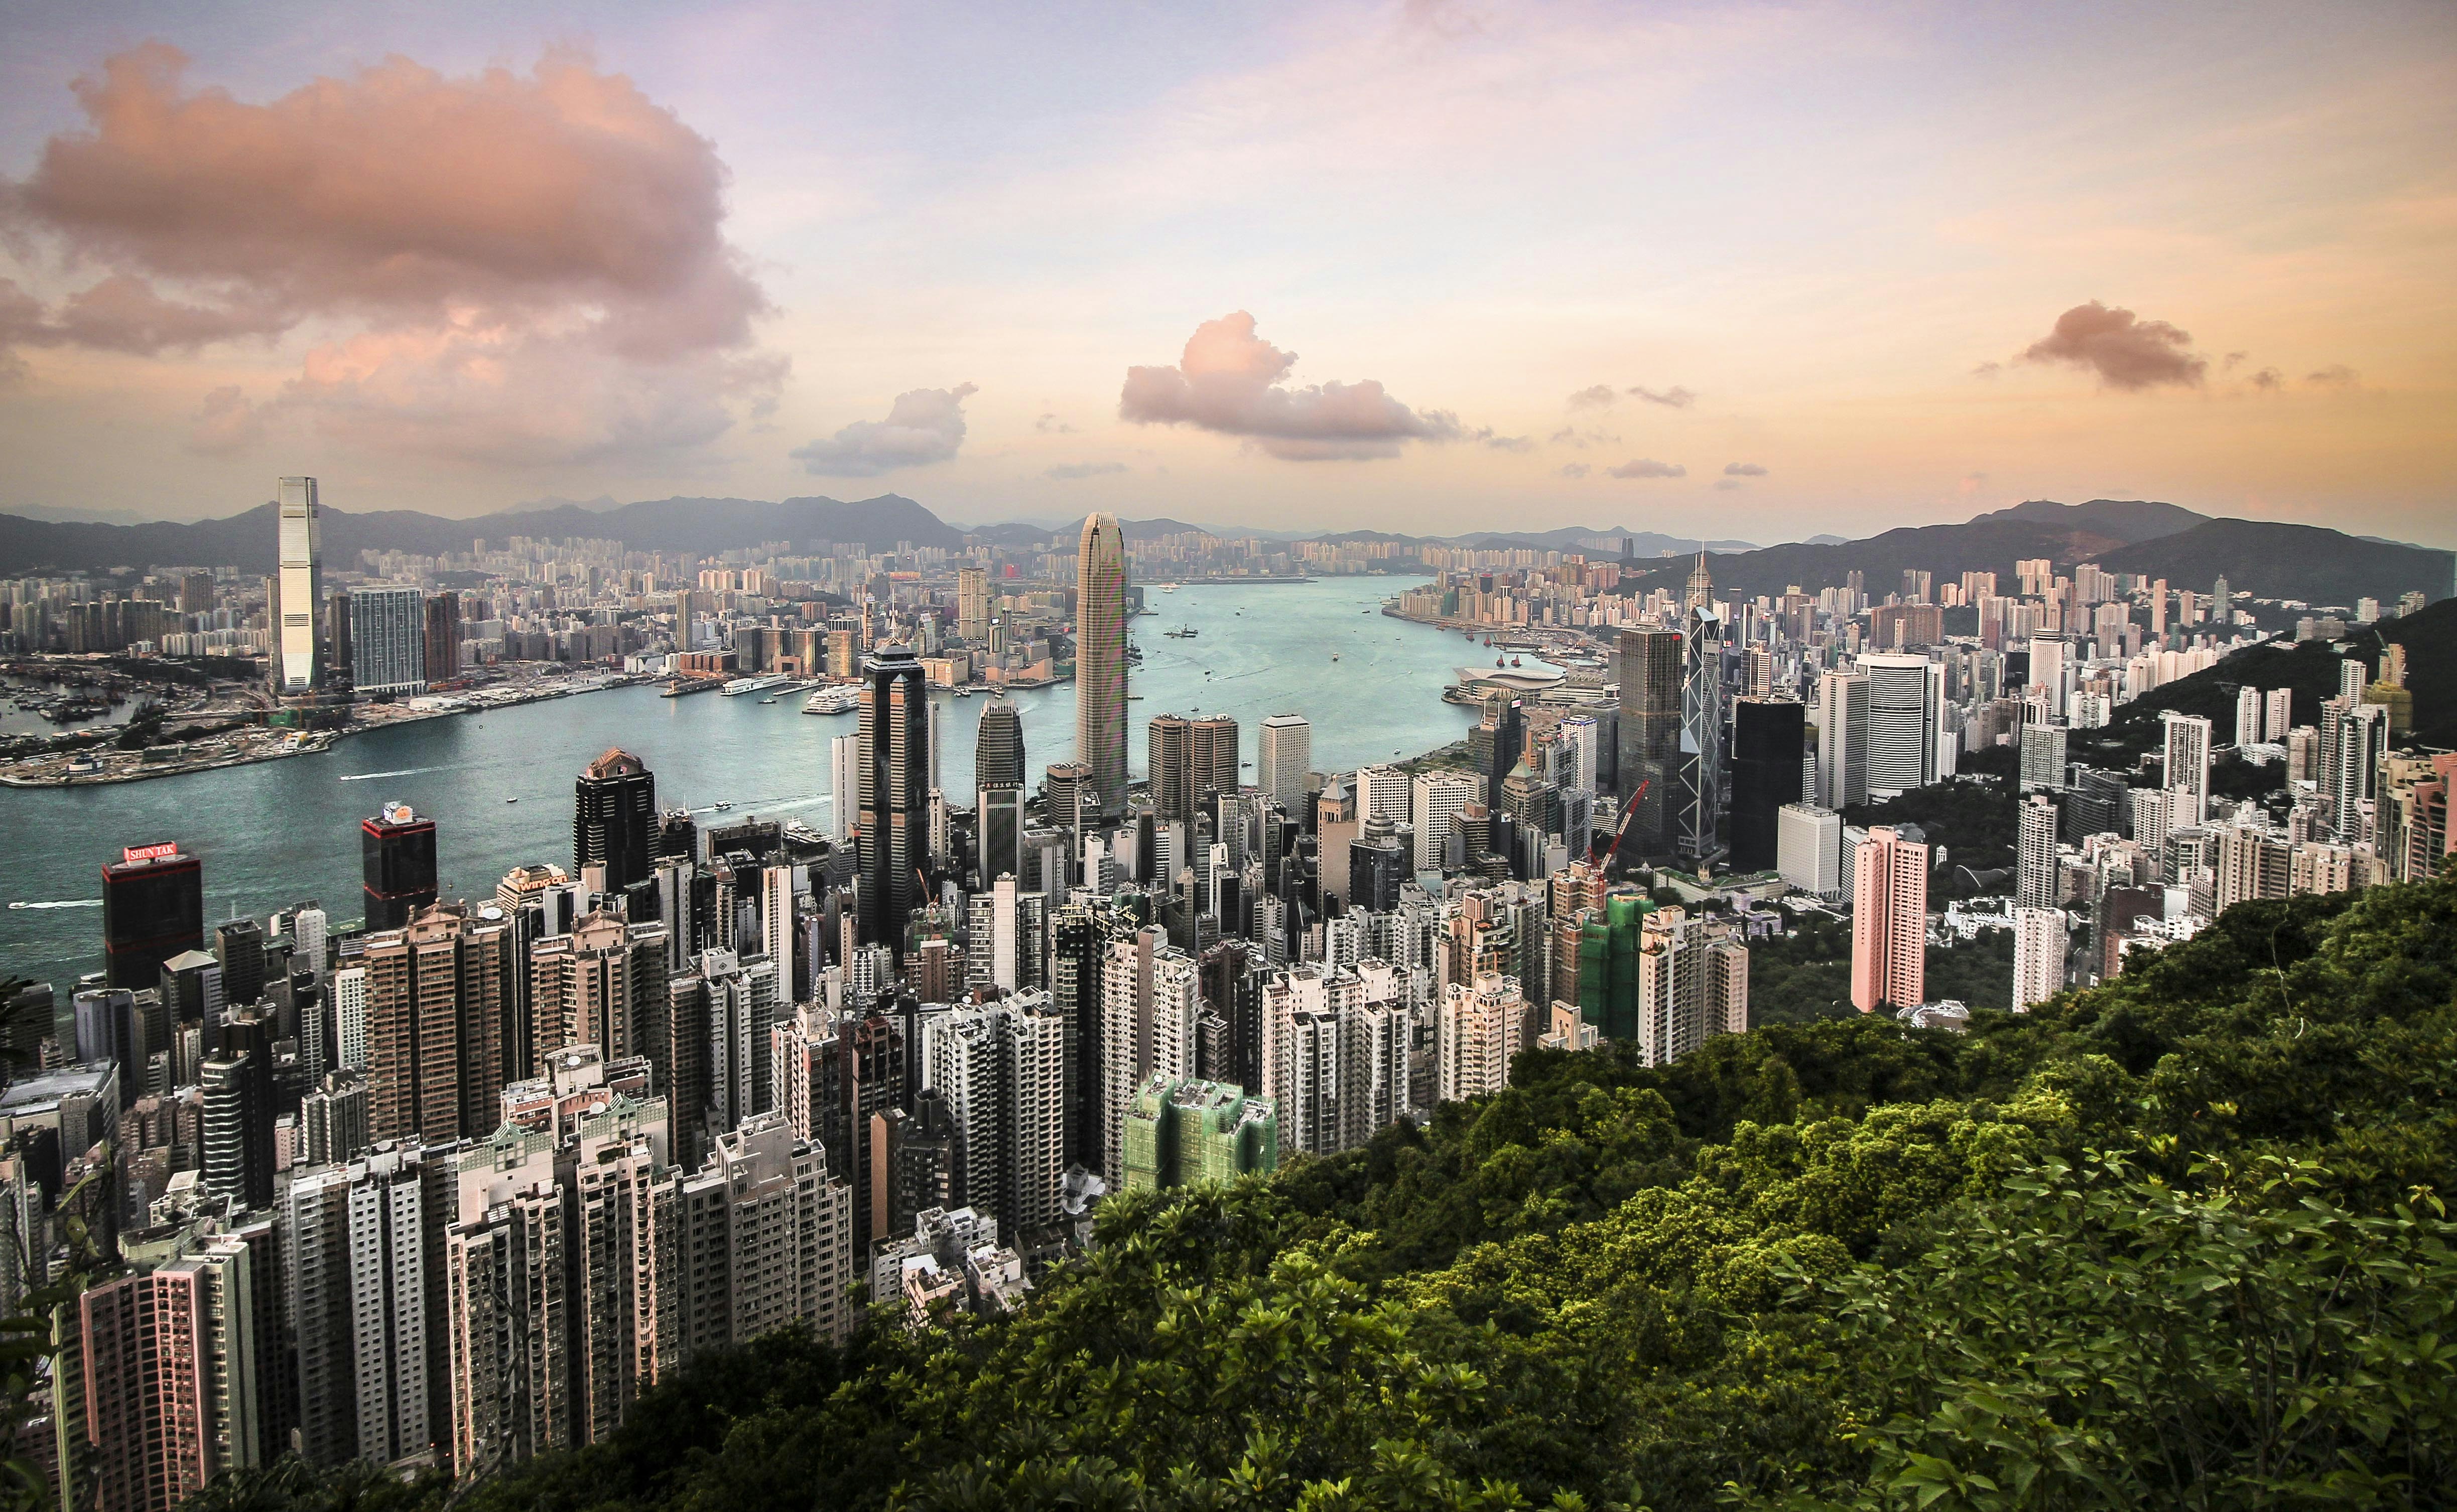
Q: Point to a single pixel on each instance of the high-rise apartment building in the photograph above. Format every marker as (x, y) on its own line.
(602, 982)
(1000, 1068)
(438, 996)
(1478, 1029)
(397, 858)
(356, 1278)
(388, 638)
(2039, 955)
(2035, 863)
(1181, 1130)
(1101, 662)
(894, 795)
(614, 820)
(1282, 760)
(1888, 922)
(973, 606)
(764, 1240)
(1151, 1000)
(2187, 766)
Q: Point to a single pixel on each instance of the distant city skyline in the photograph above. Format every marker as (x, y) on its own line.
(1418, 267)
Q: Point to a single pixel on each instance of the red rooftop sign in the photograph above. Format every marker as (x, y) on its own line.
(129, 853)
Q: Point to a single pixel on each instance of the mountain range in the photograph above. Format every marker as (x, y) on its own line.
(2190, 550)
(2160, 540)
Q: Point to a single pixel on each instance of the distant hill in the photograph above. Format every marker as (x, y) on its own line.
(2272, 559)
(2278, 560)
(247, 540)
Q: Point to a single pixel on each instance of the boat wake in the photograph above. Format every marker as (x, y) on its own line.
(406, 771)
(62, 903)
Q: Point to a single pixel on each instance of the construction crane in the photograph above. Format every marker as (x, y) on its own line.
(1621, 828)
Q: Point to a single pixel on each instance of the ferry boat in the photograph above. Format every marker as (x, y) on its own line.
(839, 698)
(748, 684)
(1183, 632)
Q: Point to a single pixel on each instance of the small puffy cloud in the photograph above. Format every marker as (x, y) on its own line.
(520, 266)
(2125, 350)
(1500, 444)
(1233, 382)
(1600, 396)
(2233, 360)
(1678, 398)
(1068, 471)
(2336, 375)
(1572, 436)
(225, 422)
(1648, 467)
(1987, 370)
(922, 426)
(1744, 470)
(1052, 425)
(1574, 469)
(1727, 484)
(2269, 379)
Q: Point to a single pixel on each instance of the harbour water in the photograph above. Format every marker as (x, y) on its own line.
(499, 783)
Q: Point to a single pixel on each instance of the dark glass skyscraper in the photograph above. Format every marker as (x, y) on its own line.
(152, 909)
(894, 797)
(1768, 738)
(1650, 734)
(614, 820)
(397, 856)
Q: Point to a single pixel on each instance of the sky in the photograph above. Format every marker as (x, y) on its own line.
(1752, 271)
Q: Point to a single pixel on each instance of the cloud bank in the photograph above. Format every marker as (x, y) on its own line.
(922, 426)
(1230, 381)
(1069, 472)
(504, 267)
(2125, 352)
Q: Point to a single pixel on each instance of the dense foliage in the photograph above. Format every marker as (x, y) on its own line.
(2178, 1240)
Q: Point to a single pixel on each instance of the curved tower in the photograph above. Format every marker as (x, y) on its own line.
(1101, 660)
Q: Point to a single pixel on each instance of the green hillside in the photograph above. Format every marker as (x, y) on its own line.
(2174, 1241)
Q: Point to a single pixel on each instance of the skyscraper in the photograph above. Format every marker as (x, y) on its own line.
(442, 637)
(152, 909)
(894, 794)
(2035, 884)
(973, 606)
(1906, 698)
(1101, 660)
(388, 638)
(997, 749)
(2040, 943)
(396, 855)
(844, 787)
(299, 585)
(615, 818)
(1888, 922)
(2187, 768)
(1282, 759)
(1650, 734)
(1841, 740)
(439, 998)
(1698, 792)
(1767, 739)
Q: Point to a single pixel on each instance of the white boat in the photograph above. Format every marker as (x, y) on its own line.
(748, 684)
(841, 697)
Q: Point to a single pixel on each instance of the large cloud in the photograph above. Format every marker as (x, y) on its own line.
(454, 243)
(1229, 380)
(2125, 352)
(922, 426)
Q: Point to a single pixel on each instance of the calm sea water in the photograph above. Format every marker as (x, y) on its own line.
(279, 833)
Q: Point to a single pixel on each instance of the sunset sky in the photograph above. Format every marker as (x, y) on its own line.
(1750, 270)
